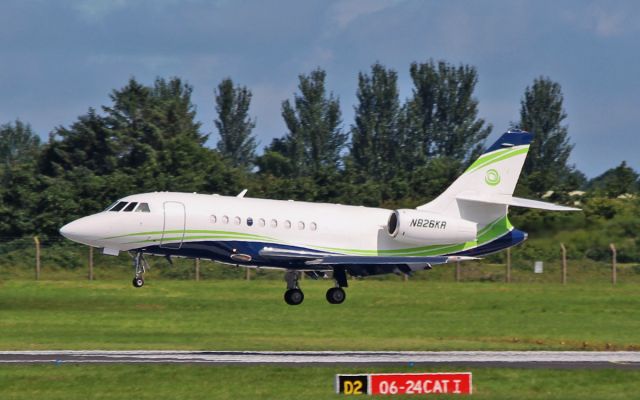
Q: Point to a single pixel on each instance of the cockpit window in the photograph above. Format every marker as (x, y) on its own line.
(143, 207)
(110, 206)
(118, 206)
(130, 207)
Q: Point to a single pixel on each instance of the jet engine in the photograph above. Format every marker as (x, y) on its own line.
(421, 227)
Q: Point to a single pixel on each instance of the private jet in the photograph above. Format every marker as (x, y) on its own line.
(467, 221)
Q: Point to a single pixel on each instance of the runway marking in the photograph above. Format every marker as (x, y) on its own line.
(570, 359)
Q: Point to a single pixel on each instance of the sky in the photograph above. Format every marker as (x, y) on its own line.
(60, 57)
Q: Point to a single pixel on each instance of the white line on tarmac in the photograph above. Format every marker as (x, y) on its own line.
(320, 357)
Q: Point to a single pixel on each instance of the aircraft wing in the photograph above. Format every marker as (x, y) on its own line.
(293, 255)
(319, 258)
(376, 260)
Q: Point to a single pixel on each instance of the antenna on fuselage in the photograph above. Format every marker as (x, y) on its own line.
(241, 194)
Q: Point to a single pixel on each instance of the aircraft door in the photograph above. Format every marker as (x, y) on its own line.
(174, 225)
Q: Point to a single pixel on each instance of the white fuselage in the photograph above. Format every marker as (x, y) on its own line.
(329, 227)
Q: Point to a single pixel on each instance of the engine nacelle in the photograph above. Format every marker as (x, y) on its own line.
(421, 227)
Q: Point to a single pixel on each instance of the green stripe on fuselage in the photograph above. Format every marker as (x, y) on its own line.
(197, 231)
(490, 232)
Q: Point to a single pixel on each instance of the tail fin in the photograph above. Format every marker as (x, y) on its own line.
(484, 191)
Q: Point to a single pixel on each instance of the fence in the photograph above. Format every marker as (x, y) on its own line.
(60, 258)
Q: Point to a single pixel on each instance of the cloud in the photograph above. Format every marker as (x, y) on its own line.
(606, 20)
(607, 23)
(93, 10)
(344, 12)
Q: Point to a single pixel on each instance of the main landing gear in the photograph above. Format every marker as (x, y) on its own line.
(336, 295)
(293, 296)
(140, 266)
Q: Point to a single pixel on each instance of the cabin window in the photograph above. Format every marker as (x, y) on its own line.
(300, 225)
(143, 207)
(274, 223)
(213, 219)
(225, 219)
(313, 226)
(119, 206)
(262, 222)
(287, 224)
(130, 207)
(249, 221)
(237, 220)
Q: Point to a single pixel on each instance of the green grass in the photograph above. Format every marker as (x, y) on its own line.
(377, 315)
(68, 382)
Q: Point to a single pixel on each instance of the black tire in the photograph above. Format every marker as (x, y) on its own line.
(138, 281)
(293, 297)
(336, 295)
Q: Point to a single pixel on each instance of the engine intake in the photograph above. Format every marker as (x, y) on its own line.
(422, 227)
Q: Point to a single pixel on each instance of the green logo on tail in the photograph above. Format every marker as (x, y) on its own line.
(492, 177)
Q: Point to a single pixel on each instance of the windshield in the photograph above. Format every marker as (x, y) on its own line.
(110, 206)
(118, 206)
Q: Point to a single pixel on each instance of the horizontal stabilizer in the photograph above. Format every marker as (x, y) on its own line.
(512, 201)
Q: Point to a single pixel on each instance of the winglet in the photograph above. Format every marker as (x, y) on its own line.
(241, 194)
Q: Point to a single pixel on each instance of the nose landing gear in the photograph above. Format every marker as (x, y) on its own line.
(140, 266)
(138, 281)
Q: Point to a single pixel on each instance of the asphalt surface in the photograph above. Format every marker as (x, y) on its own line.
(520, 359)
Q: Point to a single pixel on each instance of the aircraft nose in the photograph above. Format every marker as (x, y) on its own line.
(78, 230)
(70, 230)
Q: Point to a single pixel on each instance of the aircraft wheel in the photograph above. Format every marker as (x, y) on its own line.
(293, 297)
(138, 281)
(336, 295)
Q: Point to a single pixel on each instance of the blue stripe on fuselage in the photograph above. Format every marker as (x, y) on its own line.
(222, 250)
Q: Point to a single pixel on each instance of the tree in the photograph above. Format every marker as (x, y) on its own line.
(88, 142)
(18, 142)
(314, 139)
(19, 181)
(376, 137)
(442, 115)
(234, 124)
(146, 140)
(542, 113)
(159, 140)
(616, 181)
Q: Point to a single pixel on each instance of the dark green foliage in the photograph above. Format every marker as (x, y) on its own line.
(234, 124)
(442, 115)
(376, 137)
(18, 143)
(314, 139)
(146, 140)
(542, 113)
(616, 181)
(19, 181)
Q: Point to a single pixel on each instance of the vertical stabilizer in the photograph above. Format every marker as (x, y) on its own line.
(493, 174)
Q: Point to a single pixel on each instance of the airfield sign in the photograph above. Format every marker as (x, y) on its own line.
(395, 384)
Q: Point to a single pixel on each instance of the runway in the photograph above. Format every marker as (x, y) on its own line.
(522, 359)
